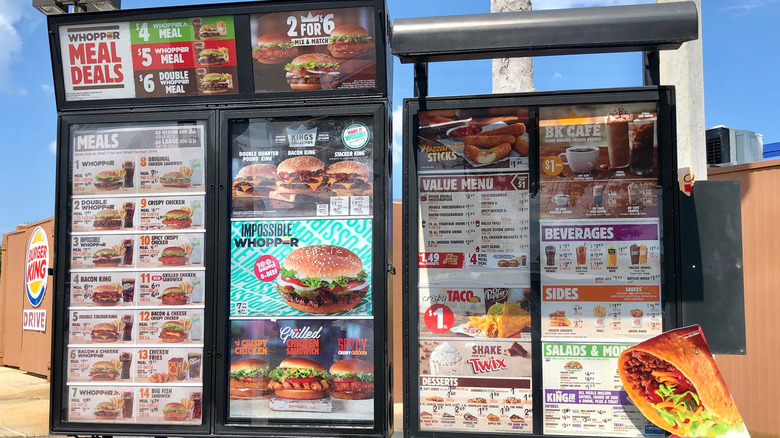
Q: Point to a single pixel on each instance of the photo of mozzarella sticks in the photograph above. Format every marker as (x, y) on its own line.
(488, 141)
(492, 155)
(516, 129)
(521, 146)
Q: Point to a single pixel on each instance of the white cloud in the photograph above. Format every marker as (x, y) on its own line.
(566, 4)
(53, 147)
(48, 89)
(10, 40)
(557, 75)
(398, 129)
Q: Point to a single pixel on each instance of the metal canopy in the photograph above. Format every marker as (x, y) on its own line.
(660, 26)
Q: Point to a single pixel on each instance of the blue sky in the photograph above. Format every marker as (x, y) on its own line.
(739, 40)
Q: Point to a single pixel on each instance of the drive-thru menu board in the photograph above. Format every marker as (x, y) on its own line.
(600, 260)
(301, 241)
(151, 58)
(136, 305)
(474, 346)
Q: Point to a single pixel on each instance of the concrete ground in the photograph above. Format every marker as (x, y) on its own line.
(24, 405)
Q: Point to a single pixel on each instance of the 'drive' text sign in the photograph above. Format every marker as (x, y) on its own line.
(34, 320)
(97, 61)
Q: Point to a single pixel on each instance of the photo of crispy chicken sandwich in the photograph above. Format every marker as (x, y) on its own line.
(322, 279)
(173, 331)
(178, 219)
(274, 48)
(349, 40)
(352, 379)
(299, 378)
(674, 381)
(255, 180)
(349, 178)
(249, 378)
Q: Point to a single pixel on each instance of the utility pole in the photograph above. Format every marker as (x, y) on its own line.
(512, 75)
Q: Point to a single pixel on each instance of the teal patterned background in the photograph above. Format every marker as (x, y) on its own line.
(249, 296)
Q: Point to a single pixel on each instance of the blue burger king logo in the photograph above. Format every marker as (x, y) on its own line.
(37, 266)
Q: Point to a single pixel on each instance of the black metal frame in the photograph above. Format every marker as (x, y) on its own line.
(381, 223)
(57, 424)
(241, 13)
(670, 292)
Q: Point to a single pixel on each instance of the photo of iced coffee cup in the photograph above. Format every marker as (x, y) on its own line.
(580, 159)
(641, 134)
(617, 136)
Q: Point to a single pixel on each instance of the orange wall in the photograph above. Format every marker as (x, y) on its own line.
(27, 350)
(752, 378)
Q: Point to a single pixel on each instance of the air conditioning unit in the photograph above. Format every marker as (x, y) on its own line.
(726, 146)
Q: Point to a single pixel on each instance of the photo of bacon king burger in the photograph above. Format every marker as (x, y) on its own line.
(109, 179)
(303, 175)
(322, 279)
(348, 41)
(178, 219)
(274, 48)
(105, 370)
(299, 378)
(175, 331)
(674, 381)
(255, 180)
(108, 219)
(349, 178)
(249, 378)
(352, 379)
(312, 71)
(107, 294)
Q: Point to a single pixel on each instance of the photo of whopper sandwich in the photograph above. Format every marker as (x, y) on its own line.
(349, 40)
(312, 71)
(178, 219)
(249, 378)
(213, 56)
(255, 180)
(105, 370)
(674, 381)
(322, 279)
(274, 48)
(108, 219)
(108, 257)
(297, 176)
(109, 179)
(209, 32)
(107, 411)
(214, 83)
(349, 178)
(299, 378)
(352, 379)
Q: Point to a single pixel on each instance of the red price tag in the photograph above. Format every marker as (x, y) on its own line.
(267, 268)
(439, 318)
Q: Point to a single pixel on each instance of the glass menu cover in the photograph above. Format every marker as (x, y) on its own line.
(474, 347)
(301, 330)
(171, 57)
(315, 49)
(136, 312)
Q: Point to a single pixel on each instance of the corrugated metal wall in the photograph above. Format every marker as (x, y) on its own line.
(753, 378)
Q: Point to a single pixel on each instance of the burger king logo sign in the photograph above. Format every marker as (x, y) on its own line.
(36, 270)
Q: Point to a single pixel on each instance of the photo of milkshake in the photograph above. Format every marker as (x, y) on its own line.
(634, 253)
(617, 135)
(446, 360)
